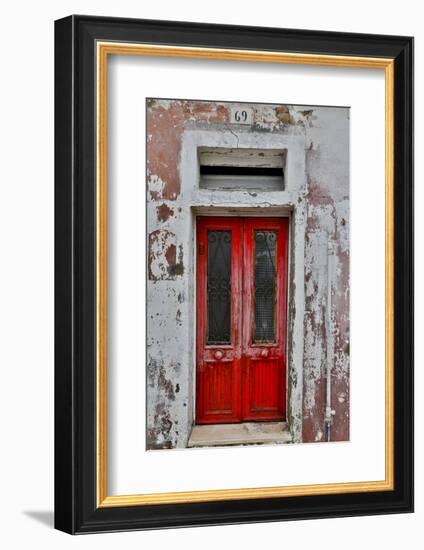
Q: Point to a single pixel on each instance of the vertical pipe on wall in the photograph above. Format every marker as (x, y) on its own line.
(329, 412)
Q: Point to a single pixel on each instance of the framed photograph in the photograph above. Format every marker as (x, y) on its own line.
(234, 274)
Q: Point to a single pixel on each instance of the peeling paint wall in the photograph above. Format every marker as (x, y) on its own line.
(316, 196)
(327, 199)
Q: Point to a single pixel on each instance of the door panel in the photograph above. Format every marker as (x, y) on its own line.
(264, 387)
(219, 293)
(241, 319)
(219, 383)
(264, 313)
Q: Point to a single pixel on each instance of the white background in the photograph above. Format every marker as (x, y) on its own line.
(26, 300)
(132, 79)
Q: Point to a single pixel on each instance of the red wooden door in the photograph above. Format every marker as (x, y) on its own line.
(264, 318)
(241, 319)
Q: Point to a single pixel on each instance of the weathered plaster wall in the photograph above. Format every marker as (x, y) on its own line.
(316, 197)
(327, 161)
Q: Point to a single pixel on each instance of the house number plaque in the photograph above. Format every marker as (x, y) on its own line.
(241, 115)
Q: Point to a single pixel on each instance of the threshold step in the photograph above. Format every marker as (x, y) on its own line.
(247, 433)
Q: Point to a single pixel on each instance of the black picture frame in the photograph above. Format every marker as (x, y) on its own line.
(76, 509)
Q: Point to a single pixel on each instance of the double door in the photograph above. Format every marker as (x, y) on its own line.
(241, 319)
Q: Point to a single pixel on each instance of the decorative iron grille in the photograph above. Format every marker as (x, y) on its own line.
(219, 287)
(265, 286)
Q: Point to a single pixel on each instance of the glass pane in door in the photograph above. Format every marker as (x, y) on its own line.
(264, 286)
(219, 287)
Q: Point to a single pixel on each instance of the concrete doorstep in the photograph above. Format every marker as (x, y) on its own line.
(248, 433)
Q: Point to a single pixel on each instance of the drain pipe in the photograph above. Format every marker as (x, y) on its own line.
(329, 412)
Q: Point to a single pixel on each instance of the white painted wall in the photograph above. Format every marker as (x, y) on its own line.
(26, 218)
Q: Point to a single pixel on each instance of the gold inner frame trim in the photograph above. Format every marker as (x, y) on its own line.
(104, 49)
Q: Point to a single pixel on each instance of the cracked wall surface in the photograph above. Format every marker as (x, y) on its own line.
(316, 197)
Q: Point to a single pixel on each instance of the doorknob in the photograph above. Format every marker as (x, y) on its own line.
(264, 353)
(218, 354)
